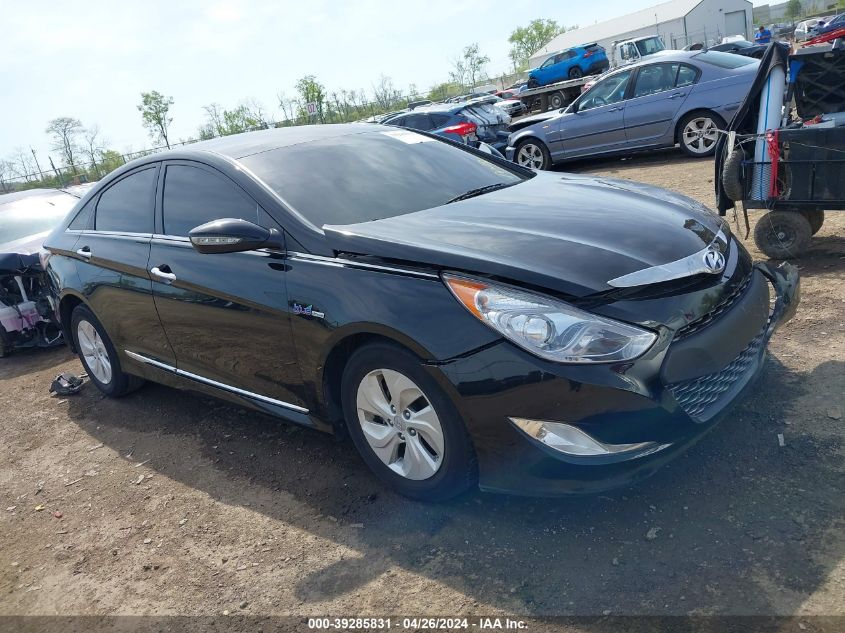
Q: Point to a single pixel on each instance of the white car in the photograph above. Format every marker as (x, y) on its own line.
(802, 31)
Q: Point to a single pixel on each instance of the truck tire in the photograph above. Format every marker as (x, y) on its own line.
(815, 218)
(557, 100)
(732, 176)
(783, 234)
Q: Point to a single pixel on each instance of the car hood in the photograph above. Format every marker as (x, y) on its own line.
(564, 232)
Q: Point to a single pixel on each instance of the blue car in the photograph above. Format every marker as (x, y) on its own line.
(570, 64)
(672, 97)
(469, 122)
(835, 24)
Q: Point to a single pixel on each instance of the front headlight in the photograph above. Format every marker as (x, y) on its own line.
(548, 327)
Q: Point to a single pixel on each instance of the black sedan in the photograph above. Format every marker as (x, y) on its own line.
(464, 320)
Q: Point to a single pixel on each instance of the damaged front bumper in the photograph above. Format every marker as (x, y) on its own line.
(27, 317)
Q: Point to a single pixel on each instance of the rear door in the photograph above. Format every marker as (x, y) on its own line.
(113, 251)
(660, 91)
(597, 124)
(225, 314)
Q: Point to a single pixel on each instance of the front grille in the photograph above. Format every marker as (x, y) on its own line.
(702, 322)
(697, 396)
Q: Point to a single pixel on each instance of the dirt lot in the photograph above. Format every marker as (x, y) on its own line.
(171, 503)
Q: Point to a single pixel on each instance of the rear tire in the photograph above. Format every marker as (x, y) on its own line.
(386, 396)
(575, 73)
(98, 356)
(783, 234)
(532, 153)
(698, 133)
(556, 101)
(816, 220)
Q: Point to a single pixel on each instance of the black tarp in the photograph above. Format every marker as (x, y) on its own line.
(745, 119)
(18, 264)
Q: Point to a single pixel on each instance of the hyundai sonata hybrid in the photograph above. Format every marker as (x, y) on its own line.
(462, 319)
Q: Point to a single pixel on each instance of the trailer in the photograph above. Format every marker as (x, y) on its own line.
(554, 96)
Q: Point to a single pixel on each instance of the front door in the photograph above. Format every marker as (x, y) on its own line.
(596, 123)
(225, 314)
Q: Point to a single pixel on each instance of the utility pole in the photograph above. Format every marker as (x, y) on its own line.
(41, 173)
(58, 173)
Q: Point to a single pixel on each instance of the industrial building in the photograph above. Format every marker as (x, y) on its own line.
(678, 22)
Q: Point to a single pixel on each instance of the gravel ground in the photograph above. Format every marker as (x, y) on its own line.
(166, 502)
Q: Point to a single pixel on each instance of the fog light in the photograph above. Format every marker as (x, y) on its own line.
(572, 441)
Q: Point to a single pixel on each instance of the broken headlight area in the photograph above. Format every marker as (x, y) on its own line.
(27, 317)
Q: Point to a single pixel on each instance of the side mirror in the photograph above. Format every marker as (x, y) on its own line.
(230, 235)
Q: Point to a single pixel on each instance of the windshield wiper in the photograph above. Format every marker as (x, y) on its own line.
(480, 190)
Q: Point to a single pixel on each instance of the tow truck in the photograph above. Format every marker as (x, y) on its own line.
(559, 95)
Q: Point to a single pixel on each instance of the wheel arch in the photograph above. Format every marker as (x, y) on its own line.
(67, 304)
(336, 356)
(715, 115)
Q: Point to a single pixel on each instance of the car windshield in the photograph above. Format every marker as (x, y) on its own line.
(724, 60)
(650, 46)
(32, 215)
(374, 175)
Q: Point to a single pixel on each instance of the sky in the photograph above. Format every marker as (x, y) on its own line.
(92, 60)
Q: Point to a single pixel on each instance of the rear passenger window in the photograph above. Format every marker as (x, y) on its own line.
(686, 76)
(655, 78)
(418, 122)
(127, 206)
(82, 220)
(439, 120)
(194, 196)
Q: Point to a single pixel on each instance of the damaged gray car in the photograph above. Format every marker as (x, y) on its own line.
(26, 311)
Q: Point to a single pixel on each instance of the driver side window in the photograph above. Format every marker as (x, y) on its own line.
(606, 92)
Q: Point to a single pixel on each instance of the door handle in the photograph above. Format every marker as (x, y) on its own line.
(84, 252)
(166, 277)
(677, 95)
(616, 109)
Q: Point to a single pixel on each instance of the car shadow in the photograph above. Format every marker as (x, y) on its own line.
(737, 525)
(31, 360)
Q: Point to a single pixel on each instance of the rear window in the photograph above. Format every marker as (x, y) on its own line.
(375, 175)
(724, 60)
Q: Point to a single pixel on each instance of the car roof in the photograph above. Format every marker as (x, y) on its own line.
(241, 145)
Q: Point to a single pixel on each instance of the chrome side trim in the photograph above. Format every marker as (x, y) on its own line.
(126, 234)
(338, 261)
(685, 267)
(214, 383)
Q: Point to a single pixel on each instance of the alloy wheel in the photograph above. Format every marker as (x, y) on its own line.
(400, 424)
(94, 351)
(700, 135)
(529, 155)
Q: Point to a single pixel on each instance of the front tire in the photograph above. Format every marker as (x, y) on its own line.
(783, 234)
(98, 355)
(575, 73)
(698, 133)
(532, 153)
(404, 425)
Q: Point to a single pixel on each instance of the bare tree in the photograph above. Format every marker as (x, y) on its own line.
(22, 164)
(5, 172)
(65, 131)
(93, 145)
(385, 94)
